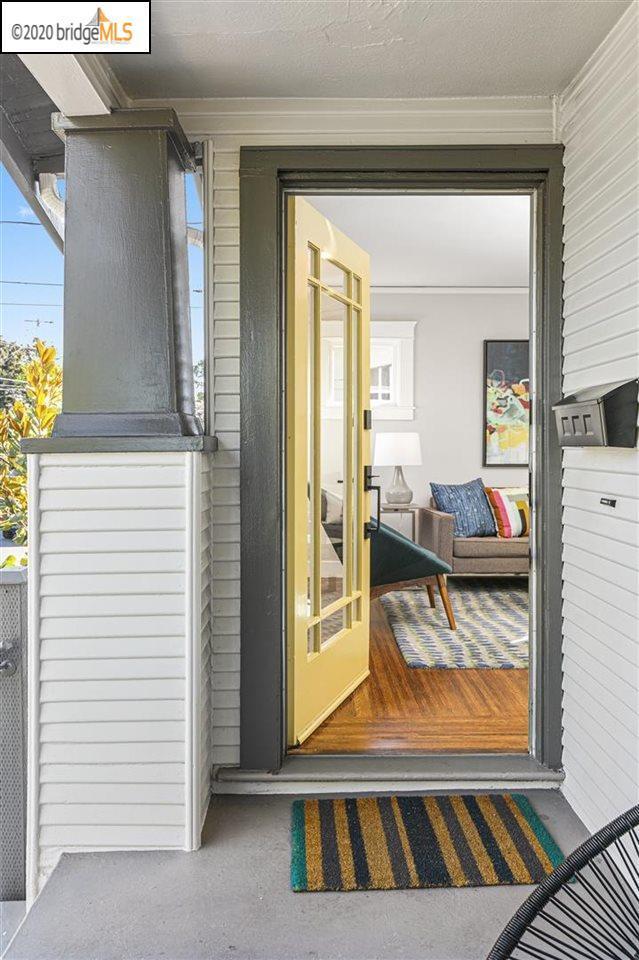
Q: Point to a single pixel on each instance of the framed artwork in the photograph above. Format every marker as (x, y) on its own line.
(506, 403)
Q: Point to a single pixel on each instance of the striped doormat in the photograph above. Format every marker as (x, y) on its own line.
(397, 843)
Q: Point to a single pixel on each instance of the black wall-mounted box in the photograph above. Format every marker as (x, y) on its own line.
(605, 419)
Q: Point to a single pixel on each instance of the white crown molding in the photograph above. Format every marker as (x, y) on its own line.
(446, 120)
(261, 106)
(437, 291)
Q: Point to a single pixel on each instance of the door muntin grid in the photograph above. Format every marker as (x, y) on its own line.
(334, 463)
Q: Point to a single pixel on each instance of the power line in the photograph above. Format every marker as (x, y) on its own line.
(21, 303)
(36, 223)
(32, 283)
(46, 283)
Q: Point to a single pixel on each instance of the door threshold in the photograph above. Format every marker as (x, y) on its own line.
(365, 774)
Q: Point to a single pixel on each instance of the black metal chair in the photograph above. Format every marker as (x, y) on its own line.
(588, 908)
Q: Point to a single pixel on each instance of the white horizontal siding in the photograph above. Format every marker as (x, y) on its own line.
(100, 582)
(77, 836)
(131, 562)
(225, 472)
(119, 793)
(148, 774)
(106, 541)
(110, 563)
(106, 518)
(205, 746)
(116, 710)
(599, 117)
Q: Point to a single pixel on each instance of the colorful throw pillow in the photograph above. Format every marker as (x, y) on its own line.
(511, 509)
(469, 506)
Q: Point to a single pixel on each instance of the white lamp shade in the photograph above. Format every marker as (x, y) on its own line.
(398, 450)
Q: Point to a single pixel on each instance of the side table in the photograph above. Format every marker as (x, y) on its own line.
(404, 515)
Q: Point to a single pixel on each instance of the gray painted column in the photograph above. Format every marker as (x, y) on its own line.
(127, 339)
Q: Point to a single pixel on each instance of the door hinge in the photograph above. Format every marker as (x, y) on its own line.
(368, 419)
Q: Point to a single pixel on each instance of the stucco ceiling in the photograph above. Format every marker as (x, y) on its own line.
(365, 48)
(438, 241)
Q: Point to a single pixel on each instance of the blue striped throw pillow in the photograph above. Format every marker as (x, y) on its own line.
(469, 506)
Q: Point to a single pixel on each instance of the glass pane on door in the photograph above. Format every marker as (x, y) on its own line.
(334, 276)
(333, 406)
(312, 592)
(356, 460)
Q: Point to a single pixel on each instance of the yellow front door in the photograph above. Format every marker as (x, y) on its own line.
(328, 446)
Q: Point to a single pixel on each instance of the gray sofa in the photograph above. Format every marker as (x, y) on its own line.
(491, 556)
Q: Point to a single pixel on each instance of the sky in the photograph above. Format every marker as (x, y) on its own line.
(31, 272)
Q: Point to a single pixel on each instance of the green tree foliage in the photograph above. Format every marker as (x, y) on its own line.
(30, 413)
(13, 359)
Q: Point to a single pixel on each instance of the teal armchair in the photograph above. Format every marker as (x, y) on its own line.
(396, 559)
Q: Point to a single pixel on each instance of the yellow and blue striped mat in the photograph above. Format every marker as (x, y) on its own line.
(393, 843)
(492, 626)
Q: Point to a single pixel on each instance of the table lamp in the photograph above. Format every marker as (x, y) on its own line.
(398, 450)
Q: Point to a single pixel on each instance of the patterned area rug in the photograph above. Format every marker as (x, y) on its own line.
(492, 625)
(398, 843)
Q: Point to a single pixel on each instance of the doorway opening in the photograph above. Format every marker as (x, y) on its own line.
(409, 466)
(269, 176)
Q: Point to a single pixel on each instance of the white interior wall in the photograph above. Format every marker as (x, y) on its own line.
(449, 368)
(599, 119)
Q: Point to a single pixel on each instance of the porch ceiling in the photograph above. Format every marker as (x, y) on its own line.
(27, 109)
(365, 48)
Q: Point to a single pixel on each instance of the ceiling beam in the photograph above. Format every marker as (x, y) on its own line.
(79, 84)
(20, 168)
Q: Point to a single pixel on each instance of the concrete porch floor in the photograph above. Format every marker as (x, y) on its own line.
(11, 916)
(233, 899)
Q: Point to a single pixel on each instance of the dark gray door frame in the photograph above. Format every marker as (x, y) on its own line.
(267, 174)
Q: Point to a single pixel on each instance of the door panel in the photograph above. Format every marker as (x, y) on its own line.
(327, 383)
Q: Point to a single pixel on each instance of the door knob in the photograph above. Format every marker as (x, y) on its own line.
(369, 527)
(7, 668)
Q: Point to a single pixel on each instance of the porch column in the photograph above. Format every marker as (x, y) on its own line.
(127, 349)
(119, 605)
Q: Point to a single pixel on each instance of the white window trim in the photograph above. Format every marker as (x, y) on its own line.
(397, 334)
(400, 335)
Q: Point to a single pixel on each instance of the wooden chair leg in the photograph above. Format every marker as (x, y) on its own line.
(443, 592)
(431, 594)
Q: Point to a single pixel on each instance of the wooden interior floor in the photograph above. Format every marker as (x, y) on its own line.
(403, 710)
